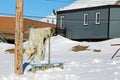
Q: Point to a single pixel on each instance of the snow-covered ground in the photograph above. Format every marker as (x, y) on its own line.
(81, 65)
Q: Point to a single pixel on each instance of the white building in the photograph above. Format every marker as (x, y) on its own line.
(49, 19)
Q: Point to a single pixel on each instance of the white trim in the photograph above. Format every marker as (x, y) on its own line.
(85, 19)
(62, 22)
(97, 21)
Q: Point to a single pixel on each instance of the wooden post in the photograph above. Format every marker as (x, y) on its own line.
(18, 59)
(115, 53)
(49, 47)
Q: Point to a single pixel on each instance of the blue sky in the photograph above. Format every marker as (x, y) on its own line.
(39, 8)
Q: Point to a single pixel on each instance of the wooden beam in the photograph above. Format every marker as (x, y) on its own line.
(19, 38)
(115, 53)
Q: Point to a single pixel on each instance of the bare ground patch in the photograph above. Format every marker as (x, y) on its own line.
(83, 48)
(96, 50)
(115, 44)
(79, 48)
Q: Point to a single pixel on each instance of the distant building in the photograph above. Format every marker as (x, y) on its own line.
(90, 19)
(7, 26)
(49, 19)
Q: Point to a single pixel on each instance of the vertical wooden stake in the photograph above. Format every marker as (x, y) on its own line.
(49, 50)
(18, 59)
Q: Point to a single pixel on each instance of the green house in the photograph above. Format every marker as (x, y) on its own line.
(90, 22)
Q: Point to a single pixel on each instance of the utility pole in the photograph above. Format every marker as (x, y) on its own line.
(18, 58)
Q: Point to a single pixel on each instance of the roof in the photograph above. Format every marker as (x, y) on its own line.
(90, 3)
(88, 8)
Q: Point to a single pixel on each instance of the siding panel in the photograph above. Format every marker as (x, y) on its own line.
(114, 23)
(76, 30)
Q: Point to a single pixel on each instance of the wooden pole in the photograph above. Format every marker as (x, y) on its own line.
(49, 47)
(19, 38)
(115, 53)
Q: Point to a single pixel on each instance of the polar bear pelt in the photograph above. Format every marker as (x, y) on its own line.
(37, 42)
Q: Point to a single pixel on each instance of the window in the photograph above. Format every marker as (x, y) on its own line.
(52, 21)
(62, 22)
(47, 21)
(97, 21)
(85, 19)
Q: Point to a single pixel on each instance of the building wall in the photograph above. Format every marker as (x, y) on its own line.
(7, 26)
(114, 23)
(73, 22)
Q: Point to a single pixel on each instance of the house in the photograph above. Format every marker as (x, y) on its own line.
(49, 19)
(7, 27)
(90, 19)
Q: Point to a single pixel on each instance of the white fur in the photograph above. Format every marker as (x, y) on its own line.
(35, 43)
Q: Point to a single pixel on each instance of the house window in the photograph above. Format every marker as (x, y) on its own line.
(97, 21)
(47, 21)
(85, 19)
(52, 21)
(62, 22)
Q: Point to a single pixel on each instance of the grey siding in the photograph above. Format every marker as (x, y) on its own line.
(114, 23)
(73, 22)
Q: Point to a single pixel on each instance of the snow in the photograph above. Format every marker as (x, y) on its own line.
(89, 3)
(81, 65)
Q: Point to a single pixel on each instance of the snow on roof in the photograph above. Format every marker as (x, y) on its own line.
(80, 4)
(90, 3)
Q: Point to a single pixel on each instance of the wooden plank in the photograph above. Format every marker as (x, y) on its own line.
(36, 67)
(7, 31)
(10, 34)
(115, 53)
